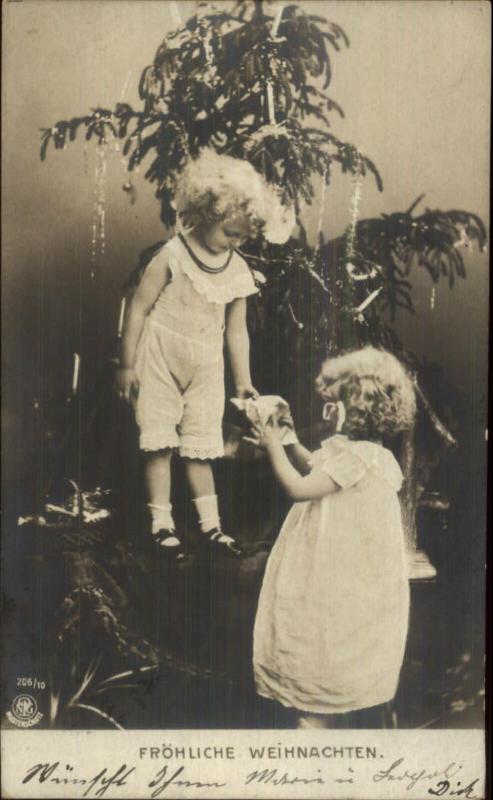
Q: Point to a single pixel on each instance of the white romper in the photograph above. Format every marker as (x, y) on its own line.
(332, 617)
(180, 362)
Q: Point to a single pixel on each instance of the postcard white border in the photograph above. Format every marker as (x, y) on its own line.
(323, 765)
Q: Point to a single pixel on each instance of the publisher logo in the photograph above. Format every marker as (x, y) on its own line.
(24, 711)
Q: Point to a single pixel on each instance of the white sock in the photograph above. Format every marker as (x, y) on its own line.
(208, 511)
(161, 517)
(162, 520)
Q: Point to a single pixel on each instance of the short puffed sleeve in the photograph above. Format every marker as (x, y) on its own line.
(347, 461)
(242, 279)
(341, 463)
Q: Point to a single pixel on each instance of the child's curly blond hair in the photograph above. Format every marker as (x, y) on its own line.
(377, 392)
(218, 188)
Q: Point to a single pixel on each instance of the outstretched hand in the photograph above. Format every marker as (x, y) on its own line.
(286, 420)
(263, 434)
(247, 391)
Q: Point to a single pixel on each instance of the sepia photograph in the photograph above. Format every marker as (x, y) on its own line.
(245, 278)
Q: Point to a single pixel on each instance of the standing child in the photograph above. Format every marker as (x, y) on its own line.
(193, 295)
(332, 618)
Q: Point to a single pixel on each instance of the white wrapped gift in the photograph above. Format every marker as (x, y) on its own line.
(268, 408)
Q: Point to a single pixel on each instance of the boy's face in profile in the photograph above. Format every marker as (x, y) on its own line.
(223, 236)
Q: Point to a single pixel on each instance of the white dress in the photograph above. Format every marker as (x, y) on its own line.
(332, 617)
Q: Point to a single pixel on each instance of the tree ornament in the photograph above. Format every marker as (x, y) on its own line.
(129, 188)
(296, 321)
(356, 276)
(371, 297)
(464, 240)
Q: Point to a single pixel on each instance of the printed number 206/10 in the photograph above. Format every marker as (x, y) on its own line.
(33, 683)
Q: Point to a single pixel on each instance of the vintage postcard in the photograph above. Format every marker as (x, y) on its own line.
(245, 326)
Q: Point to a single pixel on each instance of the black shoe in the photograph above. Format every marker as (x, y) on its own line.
(217, 542)
(169, 544)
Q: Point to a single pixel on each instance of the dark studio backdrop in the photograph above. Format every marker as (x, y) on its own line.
(414, 85)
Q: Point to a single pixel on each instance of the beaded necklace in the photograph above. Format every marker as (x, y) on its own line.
(200, 264)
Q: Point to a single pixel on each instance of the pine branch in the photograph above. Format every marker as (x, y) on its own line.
(438, 426)
(432, 241)
(214, 93)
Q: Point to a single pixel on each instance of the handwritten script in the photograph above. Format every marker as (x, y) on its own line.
(441, 782)
(448, 785)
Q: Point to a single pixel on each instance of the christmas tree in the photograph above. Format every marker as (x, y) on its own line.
(251, 79)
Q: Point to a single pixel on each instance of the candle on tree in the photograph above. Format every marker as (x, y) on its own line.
(75, 373)
(121, 317)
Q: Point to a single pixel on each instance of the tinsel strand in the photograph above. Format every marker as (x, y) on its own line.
(354, 210)
(99, 209)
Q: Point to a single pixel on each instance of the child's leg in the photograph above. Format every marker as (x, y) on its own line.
(307, 720)
(158, 481)
(201, 479)
(158, 476)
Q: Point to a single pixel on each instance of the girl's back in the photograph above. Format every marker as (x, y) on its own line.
(333, 612)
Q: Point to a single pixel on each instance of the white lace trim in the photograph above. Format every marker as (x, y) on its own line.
(155, 441)
(202, 453)
(240, 285)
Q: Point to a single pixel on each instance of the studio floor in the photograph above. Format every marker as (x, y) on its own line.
(120, 638)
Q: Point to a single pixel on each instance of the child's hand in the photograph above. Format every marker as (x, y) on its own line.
(286, 420)
(247, 390)
(264, 434)
(126, 383)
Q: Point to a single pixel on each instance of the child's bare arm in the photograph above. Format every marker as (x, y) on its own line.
(146, 294)
(312, 487)
(238, 343)
(154, 278)
(300, 456)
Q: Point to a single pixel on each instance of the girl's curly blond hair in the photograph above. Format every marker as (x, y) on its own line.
(218, 188)
(377, 392)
